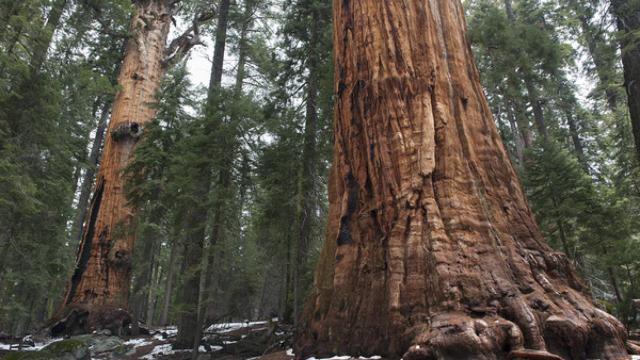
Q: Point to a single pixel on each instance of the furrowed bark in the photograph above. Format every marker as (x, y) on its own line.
(103, 271)
(432, 251)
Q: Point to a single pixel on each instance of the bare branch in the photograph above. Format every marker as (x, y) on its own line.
(179, 47)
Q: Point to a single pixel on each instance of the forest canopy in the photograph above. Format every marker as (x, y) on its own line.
(189, 163)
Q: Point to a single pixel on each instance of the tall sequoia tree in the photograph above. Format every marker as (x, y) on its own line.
(101, 279)
(432, 250)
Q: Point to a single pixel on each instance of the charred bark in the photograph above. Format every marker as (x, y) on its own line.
(89, 175)
(432, 250)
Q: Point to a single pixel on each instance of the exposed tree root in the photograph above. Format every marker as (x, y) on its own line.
(460, 336)
(533, 354)
(633, 347)
(456, 336)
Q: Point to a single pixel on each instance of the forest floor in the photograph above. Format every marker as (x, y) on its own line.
(265, 340)
(228, 341)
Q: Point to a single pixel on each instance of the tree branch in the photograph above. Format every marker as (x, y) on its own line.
(179, 47)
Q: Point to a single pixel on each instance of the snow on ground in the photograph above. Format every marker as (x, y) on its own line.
(137, 342)
(171, 330)
(228, 327)
(161, 350)
(345, 357)
(36, 347)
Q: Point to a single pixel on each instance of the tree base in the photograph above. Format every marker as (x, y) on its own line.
(459, 336)
(85, 319)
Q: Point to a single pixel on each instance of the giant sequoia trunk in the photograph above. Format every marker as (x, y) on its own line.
(628, 20)
(432, 250)
(103, 271)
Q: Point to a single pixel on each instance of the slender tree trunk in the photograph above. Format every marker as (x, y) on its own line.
(538, 110)
(189, 329)
(517, 134)
(146, 262)
(614, 284)
(508, 6)
(89, 175)
(168, 287)
(43, 43)
(151, 293)
(432, 250)
(534, 99)
(103, 270)
(305, 203)
(602, 55)
(627, 14)
(189, 292)
(577, 142)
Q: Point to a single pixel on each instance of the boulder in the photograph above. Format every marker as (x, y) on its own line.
(69, 349)
(82, 347)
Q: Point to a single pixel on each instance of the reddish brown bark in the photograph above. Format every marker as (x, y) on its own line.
(103, 270)
(432, 250)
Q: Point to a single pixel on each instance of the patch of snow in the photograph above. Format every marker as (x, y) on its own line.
(37, 346)
(344, 357)
(635, 357)
(290, 352)
(161, 350)
(170, 330)
(229, 342)
(137, 342)
(228, 327)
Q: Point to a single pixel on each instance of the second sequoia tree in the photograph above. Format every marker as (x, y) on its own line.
(432, 251)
